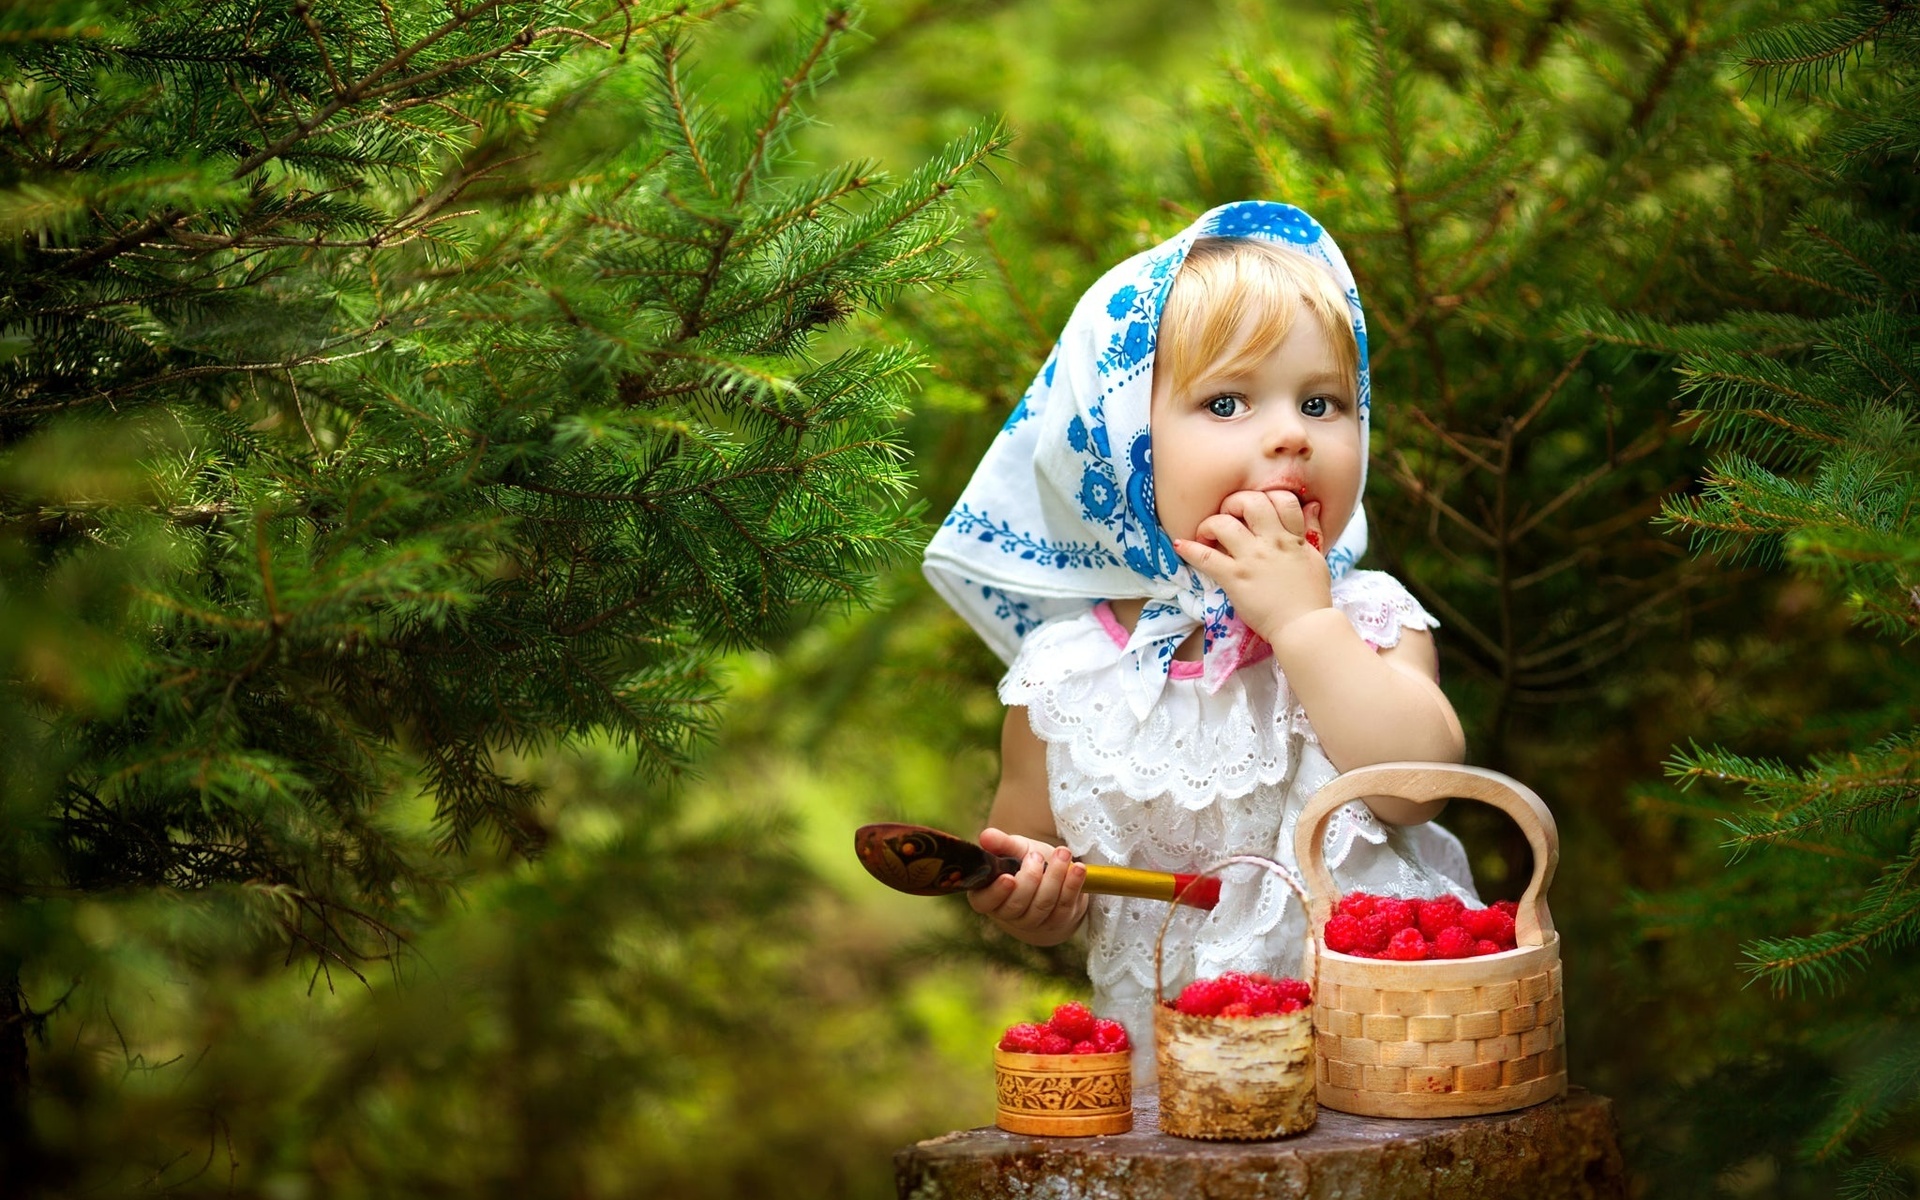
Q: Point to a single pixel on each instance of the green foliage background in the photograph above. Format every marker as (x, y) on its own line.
(692, 990)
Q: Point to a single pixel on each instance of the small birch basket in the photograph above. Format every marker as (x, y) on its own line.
(1063, 1095)
(1446, 1037)
(1233, 1078)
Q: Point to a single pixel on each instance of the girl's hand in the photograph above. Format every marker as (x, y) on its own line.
(1041, 905)
(1267, 556)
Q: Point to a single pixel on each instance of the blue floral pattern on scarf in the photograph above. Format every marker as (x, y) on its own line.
(1098, 496)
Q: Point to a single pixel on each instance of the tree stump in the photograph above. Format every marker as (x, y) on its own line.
(1559, 1150)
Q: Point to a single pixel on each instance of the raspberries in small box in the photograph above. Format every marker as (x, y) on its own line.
(1073, 1029)
(1238, 994)
(1368, 926)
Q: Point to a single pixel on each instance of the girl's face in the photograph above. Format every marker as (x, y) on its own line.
(1287, 423)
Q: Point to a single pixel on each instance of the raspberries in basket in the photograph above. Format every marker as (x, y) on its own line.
(1073, 1029)
(1238, 994)
(1370, 926)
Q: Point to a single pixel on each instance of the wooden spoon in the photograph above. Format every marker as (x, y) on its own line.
(926, 862)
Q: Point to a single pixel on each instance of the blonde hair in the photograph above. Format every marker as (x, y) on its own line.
(1228, 284)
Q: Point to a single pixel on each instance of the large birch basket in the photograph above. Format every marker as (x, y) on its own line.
(1440, 1038)
(1233, 1078)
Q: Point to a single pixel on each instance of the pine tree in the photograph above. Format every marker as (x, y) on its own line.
(1812, 409)
(387, 386)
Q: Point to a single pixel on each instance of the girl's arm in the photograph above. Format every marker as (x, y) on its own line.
(1370, 706)
(1041, 905)
(1367, 706)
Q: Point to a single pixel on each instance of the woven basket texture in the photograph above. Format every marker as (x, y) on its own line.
(1447, 1037)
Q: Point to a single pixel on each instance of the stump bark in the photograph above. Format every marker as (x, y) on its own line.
(1559, 1150)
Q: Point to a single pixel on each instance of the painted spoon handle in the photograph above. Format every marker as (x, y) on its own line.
(1153, 885)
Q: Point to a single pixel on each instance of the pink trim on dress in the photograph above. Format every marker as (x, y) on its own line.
(1252, 650)
(1111, 623)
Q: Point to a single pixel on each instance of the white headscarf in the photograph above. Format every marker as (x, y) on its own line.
(1059, 515)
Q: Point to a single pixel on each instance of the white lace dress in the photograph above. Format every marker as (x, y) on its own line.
(1200, 778)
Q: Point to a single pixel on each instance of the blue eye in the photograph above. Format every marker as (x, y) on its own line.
(1314, 406)
(1223, 406)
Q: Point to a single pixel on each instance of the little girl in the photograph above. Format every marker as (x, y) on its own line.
(1143, 542)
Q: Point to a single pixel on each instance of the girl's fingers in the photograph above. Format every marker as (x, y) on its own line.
(989, 900)
(1012, 845)
(1232, 536)
(1260, 512)
(1025, 884)
(1044, 893)
(1288, 506)
(1200, 556)
(1316, 537)
(1046, 897)
(1072, 901)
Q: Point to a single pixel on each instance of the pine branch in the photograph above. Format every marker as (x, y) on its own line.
(1388, 103)
(1646, 444)
(1681, 45)
(1876, 1177)
(1402, 473)
(1888, 1084)
(1888, 919)
(319, 358)
(670, 53)
(837, 23)
(1808, 55)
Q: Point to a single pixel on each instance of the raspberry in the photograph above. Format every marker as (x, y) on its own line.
(1485, 947)
(1407, 946)
(1357, 905)
(1475, 920)
(1242, 994)
(1086, 1047)
(1342, 933)
(1073, 1021)
(1508, 907)
(1488, 924)
(1295, 990)
(1375, 932)
(1023, 1038)
(1453, 942)
(1053, 1043)
(1205, 997)
(1399, 913)
(1110, 1036)
(1438, 914)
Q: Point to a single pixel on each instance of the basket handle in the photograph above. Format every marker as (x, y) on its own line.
(1421, 781)
(1287, 877)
